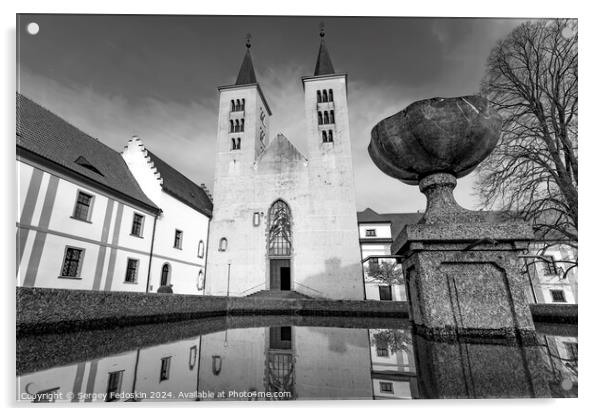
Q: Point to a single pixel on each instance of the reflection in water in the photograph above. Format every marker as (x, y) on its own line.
(365, 359)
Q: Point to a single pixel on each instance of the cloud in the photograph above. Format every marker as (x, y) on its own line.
(181, 133)
(184, 133)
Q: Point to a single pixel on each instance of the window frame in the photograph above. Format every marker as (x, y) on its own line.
(90, 206)
(178, 242)
(370, 232)
(201, 253)
(127, 269)
(553, 292)
(382, 352)
(141, 233)
(223, 244)
(387, 390)
(389, 293)
(109, 398)
(165, 369)
(549, 266)
(79, 263)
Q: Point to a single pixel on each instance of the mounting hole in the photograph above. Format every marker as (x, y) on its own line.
(33, 28)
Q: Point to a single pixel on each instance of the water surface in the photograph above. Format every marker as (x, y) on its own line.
(289, 358)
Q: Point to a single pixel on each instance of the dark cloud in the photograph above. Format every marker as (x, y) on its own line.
(156, 76)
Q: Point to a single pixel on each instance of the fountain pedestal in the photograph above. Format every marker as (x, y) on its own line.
(462, 268)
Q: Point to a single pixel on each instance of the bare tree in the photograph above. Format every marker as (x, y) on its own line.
(388, 272)
(531, 79)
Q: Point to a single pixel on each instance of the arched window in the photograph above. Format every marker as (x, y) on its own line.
(231, 126)
(324, 137)
(319, 96)
(330, 96)
(326, 121)
(200, 280)
(238, 144)
(237, 126)
(237, 105)
(201, 252)
(223, 244)
(242, 125)
(279, 239)
(332, 116)
(165, 274)
(324, 96)
(243, 105)
(233, 143)
(232, 107)
(320, 117)
(330, 136)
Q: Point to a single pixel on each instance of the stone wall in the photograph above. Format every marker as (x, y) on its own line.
(55, 310)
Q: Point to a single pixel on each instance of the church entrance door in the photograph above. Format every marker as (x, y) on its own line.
(280, 274)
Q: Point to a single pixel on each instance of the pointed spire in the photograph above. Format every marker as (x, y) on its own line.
(324, 64)
(246, 75)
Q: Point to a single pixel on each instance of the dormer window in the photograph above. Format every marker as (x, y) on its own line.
(83, 162)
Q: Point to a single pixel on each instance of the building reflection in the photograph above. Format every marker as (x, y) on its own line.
(303, 362)
(393, 368)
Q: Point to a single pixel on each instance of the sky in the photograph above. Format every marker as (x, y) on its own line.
(116, 76)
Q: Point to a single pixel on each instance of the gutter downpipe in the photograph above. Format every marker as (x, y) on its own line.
(150, 257)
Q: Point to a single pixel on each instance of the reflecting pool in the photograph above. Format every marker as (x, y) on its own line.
(290, 358)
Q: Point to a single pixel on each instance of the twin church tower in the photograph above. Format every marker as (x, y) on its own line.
(283, 220)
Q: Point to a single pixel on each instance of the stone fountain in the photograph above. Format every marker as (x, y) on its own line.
(462, 267)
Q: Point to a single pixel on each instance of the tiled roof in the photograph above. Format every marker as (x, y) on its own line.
(55, 140)
(182, 188)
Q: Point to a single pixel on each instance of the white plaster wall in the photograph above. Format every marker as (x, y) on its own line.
(182, 375)
(382, 230)
(332, 363)
(125, 362)
(61, 377)
(401, 389)
(65, 231)
(185, 264)
(242, 352)
(378, 249)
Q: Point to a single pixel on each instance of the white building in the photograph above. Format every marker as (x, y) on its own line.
(181, 230)
(283, 220)
(377, 232)
(393, 366)
(84, 222)
(545, 264)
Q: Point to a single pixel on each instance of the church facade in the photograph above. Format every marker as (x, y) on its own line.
(283, 220)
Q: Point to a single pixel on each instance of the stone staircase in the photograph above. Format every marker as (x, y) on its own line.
(278, 294)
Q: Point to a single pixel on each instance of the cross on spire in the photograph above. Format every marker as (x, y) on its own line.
(324, 64)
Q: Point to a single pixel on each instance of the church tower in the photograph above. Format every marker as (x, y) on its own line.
(282, 220)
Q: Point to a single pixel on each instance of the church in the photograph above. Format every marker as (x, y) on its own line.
(283, 220)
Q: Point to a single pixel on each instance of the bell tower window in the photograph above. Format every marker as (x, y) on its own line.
(319, 96)
(330, 95)
(320, 120)
(324, 137)
(332, 116)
